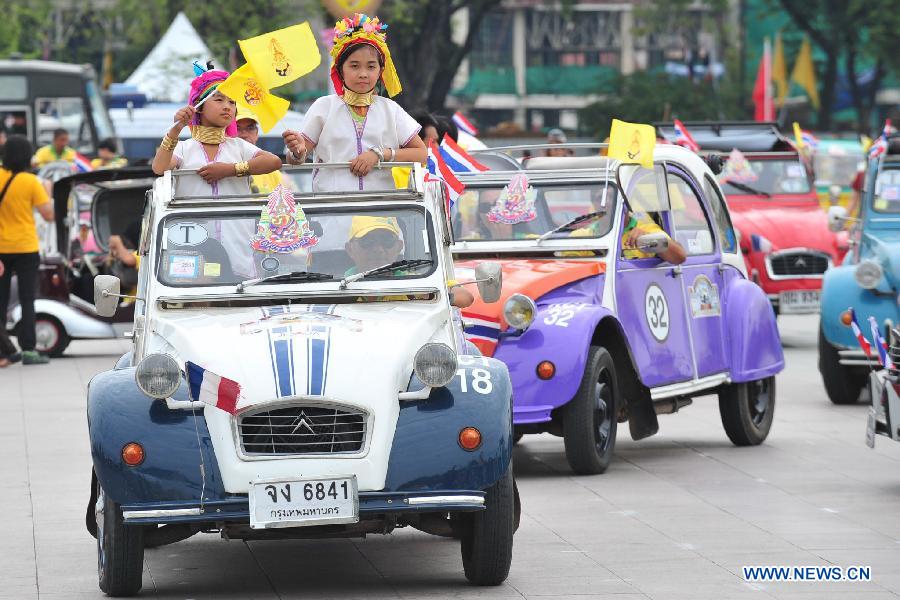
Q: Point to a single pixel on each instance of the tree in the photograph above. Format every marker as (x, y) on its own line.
(422, 45)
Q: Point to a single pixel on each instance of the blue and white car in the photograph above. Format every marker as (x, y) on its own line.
(320, 403)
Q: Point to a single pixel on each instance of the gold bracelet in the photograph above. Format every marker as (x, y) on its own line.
(168, 143)
(241, 169)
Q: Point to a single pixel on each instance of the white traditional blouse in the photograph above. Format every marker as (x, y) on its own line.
(189, 154)
(330, 126)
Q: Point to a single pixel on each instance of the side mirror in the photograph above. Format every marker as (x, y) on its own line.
(489, 276)
(836, 217)
(106, 294)
(654, 243)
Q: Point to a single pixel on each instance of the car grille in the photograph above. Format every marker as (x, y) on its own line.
(302, 429)
(797, 264)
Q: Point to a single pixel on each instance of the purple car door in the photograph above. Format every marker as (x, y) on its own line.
(701, 276)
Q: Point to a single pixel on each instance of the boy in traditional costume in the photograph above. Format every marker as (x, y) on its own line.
(355, 124)
(224, 161)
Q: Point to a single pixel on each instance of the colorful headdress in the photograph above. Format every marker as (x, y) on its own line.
(363, 29)
(205, 83)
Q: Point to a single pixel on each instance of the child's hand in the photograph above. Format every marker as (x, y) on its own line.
(295, 143)
(183, 118)
(215, 171)
(363, 163)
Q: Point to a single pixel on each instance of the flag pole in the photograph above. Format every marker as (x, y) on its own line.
(768, 108)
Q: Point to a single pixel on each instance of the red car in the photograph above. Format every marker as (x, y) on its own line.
(784, 233)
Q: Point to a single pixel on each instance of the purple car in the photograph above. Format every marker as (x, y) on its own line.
(595, 335)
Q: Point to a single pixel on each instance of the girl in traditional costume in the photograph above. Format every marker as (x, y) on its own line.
(355, 124)
(224, 161)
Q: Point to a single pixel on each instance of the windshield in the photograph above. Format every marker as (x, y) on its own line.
(887, 191)
(837, 169)
(529, 211)
(765, 177)
(227, 249)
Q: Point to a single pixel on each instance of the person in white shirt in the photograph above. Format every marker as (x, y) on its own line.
(223, 160)
(356, 125)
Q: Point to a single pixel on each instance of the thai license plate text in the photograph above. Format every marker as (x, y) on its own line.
(799, 301)
(303, 502)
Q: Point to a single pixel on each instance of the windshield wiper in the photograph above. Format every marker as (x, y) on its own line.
(397, 264)
(292, 276)
(749, 189)
(570, 224)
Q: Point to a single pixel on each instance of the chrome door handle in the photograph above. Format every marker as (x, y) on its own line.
(676, 271)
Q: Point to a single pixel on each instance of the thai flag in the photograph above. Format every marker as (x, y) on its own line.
(482, 331)
(438, 169)
(215, 390)
(464, 124)
(883, 356)
(683, 137)
(880, 145)
(863, 342)
(760, 243)
(458, 159)
(809, 139)
(82, 164)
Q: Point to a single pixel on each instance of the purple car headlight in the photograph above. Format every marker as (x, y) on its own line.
(519, 311)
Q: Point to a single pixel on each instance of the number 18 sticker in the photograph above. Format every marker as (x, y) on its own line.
(656, 310)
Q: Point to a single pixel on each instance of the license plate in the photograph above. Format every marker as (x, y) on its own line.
(303, 502)
(799, 301)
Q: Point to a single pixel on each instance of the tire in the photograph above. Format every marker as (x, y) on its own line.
(517, 437)
(747, 410)
(842, 384)
(120, 549)
(589, 419)
(487, 539)
(52, 338)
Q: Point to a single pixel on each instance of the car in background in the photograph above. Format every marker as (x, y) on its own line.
(784, 234)
(835, 165)
(868, 280)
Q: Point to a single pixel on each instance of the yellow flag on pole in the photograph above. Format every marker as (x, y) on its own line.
(804, 73)
(244, 87)
(798, 135)
(779, 71)
(632, 143)
(281, 56)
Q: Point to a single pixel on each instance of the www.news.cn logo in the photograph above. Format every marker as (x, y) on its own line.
(808, 573)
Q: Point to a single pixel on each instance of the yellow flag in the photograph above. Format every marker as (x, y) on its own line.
(632, 143)
(804, 73)
(244, 87)
(798, 135)
(779, 71)
(281, 56)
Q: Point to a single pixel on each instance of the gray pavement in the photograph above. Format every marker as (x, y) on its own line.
(676, 516)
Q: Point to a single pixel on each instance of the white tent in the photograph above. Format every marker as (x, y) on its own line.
(165, 74)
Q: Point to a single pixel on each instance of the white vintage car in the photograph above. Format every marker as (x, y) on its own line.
(282, 386)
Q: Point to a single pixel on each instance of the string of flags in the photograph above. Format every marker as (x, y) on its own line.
(463, 124)
(884, 357)
(880, 145)
(684, 138)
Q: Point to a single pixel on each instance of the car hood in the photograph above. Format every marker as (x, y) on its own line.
(786, 227)
(307, 350)
(884, 248)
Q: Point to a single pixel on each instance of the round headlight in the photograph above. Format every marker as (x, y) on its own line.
(435, 364)
(519, 311)
(158, 375)
(867, 274)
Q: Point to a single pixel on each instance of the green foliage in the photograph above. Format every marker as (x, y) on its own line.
(23, 27)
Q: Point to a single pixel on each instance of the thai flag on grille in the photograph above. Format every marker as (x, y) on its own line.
(438, 169)
(458, 159)
(215, 390)
(880, 145)
(863, 342)
(760, 243)
(683, 137)
(482, 331)
(82, 164)
(883, 356)
(464, 124)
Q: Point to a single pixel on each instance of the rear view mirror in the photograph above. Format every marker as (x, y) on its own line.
(106, 295)
(836, 217)
(489, 276)
(654, 243)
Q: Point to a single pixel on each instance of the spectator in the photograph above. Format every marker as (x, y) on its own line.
(557, 136)
(108, 156)
(21, 193)
(58, 150)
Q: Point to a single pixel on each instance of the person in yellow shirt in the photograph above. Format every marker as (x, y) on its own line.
(21, 193)
(248, 130)
(58, 150)
(108, 156)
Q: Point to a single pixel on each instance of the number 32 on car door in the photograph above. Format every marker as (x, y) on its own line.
(656, 310)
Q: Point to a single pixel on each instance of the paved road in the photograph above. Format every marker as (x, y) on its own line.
(676, 516)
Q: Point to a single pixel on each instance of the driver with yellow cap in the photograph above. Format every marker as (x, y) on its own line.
(375, 241)
(248, 130)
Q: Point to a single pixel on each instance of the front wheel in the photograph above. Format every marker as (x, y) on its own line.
(747, 410)
(120, 549)
(487, 537)
(50, 336)
(589, 419)
(842, 384)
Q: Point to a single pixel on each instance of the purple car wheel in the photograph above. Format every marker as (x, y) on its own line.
(747, 410)
(589, 419)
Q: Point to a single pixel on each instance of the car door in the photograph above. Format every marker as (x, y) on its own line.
(702, 277)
